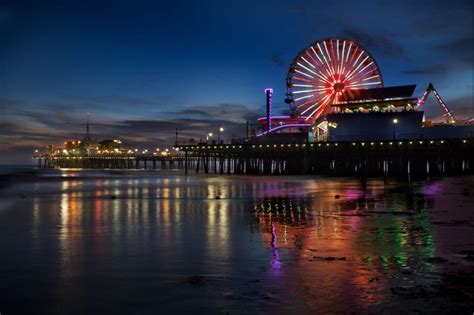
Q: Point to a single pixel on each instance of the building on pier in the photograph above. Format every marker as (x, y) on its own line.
(92, 147)
(89, 146)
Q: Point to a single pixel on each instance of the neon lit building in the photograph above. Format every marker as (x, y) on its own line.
(335, 91)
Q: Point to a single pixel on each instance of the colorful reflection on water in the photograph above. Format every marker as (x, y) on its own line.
(360, 247)
(140, 242)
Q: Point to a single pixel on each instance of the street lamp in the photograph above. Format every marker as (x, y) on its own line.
(395, 122)
(220, 130)
(330, 125)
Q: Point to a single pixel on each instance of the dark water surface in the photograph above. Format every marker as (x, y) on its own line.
(83, 242)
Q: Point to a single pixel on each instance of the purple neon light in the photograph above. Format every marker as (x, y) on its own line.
(269, 93)
(281, 117)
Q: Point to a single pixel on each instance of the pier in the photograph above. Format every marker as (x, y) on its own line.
(347, 158)
(377, 158)
(111, 161)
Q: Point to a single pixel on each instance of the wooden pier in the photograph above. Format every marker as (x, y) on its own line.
(112, 161)
(362, 159)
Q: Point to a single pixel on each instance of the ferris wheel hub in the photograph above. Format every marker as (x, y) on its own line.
(338, 87)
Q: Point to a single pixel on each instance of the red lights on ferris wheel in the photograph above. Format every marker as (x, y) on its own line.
(325, 70)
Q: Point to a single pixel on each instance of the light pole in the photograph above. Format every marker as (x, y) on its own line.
(209, 136)
(330, 125)
(395, 122)
(219, 131)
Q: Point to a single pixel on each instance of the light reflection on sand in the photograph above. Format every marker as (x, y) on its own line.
(269, 244)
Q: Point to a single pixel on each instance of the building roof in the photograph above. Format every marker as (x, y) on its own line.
(385, 93)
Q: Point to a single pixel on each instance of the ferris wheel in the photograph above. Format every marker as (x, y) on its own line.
(324, 71)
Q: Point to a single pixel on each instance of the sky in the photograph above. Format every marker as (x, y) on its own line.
(144, 68)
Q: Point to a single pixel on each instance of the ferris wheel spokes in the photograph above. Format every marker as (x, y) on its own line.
(325, 70)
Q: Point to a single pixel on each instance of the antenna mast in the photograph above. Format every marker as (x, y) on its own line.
(87, 137)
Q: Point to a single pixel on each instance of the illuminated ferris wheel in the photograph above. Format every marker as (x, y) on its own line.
(324, 71)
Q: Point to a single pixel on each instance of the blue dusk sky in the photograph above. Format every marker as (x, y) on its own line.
(143, 68)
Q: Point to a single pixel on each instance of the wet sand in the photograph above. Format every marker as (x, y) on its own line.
(146, 242)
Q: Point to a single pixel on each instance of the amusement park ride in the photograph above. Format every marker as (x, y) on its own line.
(321, 74)
(447, 113)
(339, 76)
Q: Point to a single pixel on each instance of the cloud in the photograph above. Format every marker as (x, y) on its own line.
(382, 43)
(164, 132)
(462, 108)
(223, 112)
(461, 49)
(437, 69)
(35, 126)
(278, 60)
(441, 18)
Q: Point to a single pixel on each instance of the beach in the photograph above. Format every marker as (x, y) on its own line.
(147, 242)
